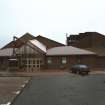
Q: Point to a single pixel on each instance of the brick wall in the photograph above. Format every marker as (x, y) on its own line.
(90, 39)
(89, 60)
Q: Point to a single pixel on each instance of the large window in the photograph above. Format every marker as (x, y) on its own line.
(49, 60)
(64, 60)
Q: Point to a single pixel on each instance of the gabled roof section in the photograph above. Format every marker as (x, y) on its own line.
(19, 42)
(6, 52)
(38, 45)
(68, 50)
(9, 45)
(48, 42)
(26, 37)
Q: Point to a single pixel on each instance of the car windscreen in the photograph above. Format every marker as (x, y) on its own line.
(83, 66)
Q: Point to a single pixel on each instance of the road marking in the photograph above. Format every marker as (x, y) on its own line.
(16, 92)
(7, 103)
(23, 85)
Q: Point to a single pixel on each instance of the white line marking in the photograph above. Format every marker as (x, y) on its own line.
(23, 85)
(6, 104)
(16, 92)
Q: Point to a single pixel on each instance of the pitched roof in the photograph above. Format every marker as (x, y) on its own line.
(25, 38)
(68, 50)
(38, 44)
(6, 52)
(48, 42)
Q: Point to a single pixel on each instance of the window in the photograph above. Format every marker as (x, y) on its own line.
(79, 59)
(49, 61)
(33, 61)
(29, 61)
(64, 60)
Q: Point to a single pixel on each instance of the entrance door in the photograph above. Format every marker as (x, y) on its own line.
(33, 64)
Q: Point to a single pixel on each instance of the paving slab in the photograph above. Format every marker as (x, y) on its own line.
(9, 88)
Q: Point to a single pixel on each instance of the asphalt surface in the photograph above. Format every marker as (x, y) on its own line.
(65, 89)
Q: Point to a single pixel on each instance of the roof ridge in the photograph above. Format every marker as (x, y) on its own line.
(49, 39)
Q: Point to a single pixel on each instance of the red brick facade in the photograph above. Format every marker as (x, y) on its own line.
(86, 40)
(56, 61)
(92, 41)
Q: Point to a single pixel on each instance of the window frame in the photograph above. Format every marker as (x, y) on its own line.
(49, 60)
(64, 60)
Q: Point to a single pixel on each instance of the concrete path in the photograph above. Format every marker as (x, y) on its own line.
(67, 89)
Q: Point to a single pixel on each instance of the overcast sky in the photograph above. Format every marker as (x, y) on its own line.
(50, 18)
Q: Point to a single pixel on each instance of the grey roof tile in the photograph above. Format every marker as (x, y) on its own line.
(68, 50)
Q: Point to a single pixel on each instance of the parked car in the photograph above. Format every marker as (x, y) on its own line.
(80, 69)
